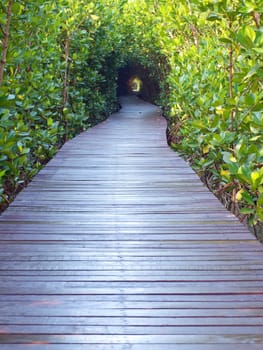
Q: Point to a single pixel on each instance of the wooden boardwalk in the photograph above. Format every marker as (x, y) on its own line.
(117, 245)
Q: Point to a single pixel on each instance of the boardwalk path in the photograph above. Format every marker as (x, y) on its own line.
(117, 245)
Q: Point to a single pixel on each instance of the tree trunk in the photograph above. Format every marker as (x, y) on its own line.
(231, 74)
(5, 41)
(65, 82)
(192, 26)
(256, 18)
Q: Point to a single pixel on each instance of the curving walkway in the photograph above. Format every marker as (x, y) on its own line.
(117, 245)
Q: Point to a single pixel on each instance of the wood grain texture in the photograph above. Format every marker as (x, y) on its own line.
(117, 245)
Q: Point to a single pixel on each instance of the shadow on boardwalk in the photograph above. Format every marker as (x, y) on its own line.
(116, 244)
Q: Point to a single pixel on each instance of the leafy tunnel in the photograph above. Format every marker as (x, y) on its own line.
(148, 88)
(200, 60)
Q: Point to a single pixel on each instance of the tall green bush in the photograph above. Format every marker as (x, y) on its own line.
(55, 80)
(208, 55)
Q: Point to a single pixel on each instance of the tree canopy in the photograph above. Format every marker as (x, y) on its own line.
(59, 71)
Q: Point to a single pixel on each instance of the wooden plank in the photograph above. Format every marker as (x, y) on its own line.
(208, 316)
(117, 245)
(47, 346)
(158, 329)
(109, 302)
(91, 339)
(62, 276)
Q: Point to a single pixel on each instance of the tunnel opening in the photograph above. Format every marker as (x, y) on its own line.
(135, 79)
(134, 85)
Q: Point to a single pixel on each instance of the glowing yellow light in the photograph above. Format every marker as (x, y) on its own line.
(135, 84)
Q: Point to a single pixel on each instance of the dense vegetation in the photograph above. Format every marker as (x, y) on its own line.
(55, 80)
(59, 69)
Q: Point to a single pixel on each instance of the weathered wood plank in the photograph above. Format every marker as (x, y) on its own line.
(91, 339)
(47, 346)
(158, 329)
(117, 245)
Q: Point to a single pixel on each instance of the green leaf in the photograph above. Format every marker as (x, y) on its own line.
(256, 178)
(244, 173)
(199, 124)
(226, 40)
(258, 50)
(246, 37)
(17, 8)
(2, 173)
(247, 211)
(250, 99)
(229, 158)
(260, 200)
(248, 6)
(259, 212)
(252, 72)
(214, 17)
(49, 122)
(252, 220)
(258, 107)
(249, 33)
(2, 18)
(248, 198)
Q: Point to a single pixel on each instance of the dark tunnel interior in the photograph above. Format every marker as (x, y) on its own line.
(136, 79)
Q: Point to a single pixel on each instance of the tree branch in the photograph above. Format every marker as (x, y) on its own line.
(256, 18)
(231, 77)
(65, 80)
(225, 188)
(5, 41)
(192, 26)
(2, 29)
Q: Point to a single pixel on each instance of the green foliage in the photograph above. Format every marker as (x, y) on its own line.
(215, 95)
(208, 58)
(60, 78)
(57, 80)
